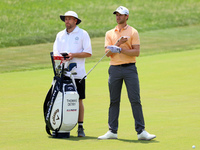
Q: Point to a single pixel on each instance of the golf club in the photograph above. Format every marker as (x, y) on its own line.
(98, 61)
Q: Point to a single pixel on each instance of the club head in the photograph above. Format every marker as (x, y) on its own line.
(71, 66)
(74, 73)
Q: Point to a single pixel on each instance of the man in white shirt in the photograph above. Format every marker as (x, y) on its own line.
(76, 42)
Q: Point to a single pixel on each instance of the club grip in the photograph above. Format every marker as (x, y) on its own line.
(82, 79)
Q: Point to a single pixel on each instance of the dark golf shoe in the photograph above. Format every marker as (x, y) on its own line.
(81, 132)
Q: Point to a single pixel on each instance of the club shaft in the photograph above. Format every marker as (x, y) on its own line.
(98, 61)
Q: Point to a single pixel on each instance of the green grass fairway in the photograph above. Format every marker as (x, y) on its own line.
(152, 42)
(170, 97)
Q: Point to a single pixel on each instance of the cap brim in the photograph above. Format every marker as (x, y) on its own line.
(115, 12)
(62, 17)
(119, 13)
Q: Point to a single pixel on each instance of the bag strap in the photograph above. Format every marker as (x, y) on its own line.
(53, 63)
(48, 130)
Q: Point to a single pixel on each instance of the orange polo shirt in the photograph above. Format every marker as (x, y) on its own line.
(133, 39)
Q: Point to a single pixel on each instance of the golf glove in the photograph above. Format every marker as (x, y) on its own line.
(114, 49)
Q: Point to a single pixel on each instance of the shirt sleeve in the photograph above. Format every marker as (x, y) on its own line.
(87, 47)
(56, 47)
(135, 39)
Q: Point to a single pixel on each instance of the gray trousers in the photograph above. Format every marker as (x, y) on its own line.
(128, 74)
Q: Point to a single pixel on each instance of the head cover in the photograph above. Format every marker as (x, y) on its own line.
(70, 13)
(122, 10)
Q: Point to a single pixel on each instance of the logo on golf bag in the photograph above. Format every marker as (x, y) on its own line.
(50, 104)
(55, 115)
(71, 110)
(69, 87)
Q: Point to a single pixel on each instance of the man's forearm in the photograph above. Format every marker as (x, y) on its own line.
(81, 55)
(131, 52)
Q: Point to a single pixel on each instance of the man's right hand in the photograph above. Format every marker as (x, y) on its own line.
(123, 40)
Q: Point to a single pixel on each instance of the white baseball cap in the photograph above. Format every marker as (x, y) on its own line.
(70, 13)
(122, 10)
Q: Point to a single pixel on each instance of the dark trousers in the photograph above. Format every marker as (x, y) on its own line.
(128, 74)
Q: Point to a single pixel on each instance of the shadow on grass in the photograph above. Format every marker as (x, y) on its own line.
(138, 141)
(75, 138)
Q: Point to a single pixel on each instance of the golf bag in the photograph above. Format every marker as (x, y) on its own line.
(61, 105)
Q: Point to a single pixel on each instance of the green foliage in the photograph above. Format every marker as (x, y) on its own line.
(25, 22)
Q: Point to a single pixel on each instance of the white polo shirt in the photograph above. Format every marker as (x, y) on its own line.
(75, 42)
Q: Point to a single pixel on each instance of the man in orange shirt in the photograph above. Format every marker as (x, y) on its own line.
(122, 68)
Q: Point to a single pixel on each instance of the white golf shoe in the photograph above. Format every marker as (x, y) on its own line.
(145, 136)
(108, 135)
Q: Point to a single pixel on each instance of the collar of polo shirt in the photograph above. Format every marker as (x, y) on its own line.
(75, 30)
(117, 29)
